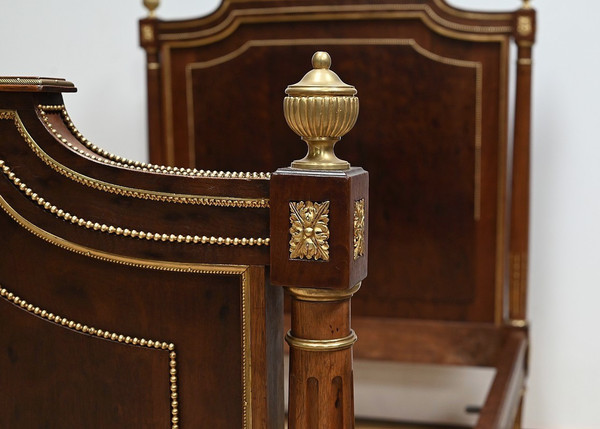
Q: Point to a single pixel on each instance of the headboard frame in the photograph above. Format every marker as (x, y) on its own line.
(434, 84)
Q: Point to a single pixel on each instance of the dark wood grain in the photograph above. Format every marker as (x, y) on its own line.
(218, 325)
(449, 211)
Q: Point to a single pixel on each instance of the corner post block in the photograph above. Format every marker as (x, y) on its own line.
(319, 233)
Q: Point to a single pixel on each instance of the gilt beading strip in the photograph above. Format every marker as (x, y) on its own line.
(125, 232)
(110, 336)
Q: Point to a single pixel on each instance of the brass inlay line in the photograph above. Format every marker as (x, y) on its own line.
(503, 39)
(518, 283)
(492, 16)
(161, 266)
(126, 191)
(403, 14)
(309, 230)
(338, 12)
(110, 336)
(476, 65)
(321, 345)
(175, 25)
(125, 232)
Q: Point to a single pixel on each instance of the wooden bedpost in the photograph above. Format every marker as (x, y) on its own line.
(319, 208)
(519, 227)
(148, 41)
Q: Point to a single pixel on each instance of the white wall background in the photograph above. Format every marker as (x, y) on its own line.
(95, 45)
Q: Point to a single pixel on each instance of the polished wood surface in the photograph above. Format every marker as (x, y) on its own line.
(114, 332)
(449, 209)
(321, 379)
(137, 295)
(439, 205)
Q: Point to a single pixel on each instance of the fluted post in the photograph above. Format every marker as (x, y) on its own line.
(519, 226)
(319, 234)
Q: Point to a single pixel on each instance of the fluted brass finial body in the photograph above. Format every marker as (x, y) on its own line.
(151, 5)
(321, 108)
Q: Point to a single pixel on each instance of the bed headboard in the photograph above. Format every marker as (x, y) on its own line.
(434, 132)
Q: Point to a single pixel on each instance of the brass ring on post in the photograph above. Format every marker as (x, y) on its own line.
(323, 295)
(518, 323)
(321, 345)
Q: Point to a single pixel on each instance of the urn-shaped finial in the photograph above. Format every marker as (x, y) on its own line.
(151, 5)
(321, 108)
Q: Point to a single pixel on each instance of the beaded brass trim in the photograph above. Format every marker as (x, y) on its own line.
(321, 345)
(127, 163)
(217, 201)
(309, 230)
(359, 228)
(162, 266)
(111, 336)
(125, 232)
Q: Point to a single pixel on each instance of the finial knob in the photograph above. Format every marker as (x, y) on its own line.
(321, 60)
(321, 108)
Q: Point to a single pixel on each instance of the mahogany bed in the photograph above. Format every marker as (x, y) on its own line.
(448, 156)
(135, 295)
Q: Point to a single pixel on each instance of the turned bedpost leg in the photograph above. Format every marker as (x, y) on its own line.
(519, 217)
(320, 340)
(319, 233)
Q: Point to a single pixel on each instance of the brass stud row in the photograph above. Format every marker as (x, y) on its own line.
(130, 192)
(125, 232)
(111, 336)
(112, 159)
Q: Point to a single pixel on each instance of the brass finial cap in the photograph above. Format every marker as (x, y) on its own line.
(320, 80)
(321, 108)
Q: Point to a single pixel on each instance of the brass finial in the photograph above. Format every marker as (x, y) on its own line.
(321, 108)
(151, 5)
(526, 4)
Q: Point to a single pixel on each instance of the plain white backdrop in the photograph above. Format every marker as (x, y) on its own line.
(95, 45)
